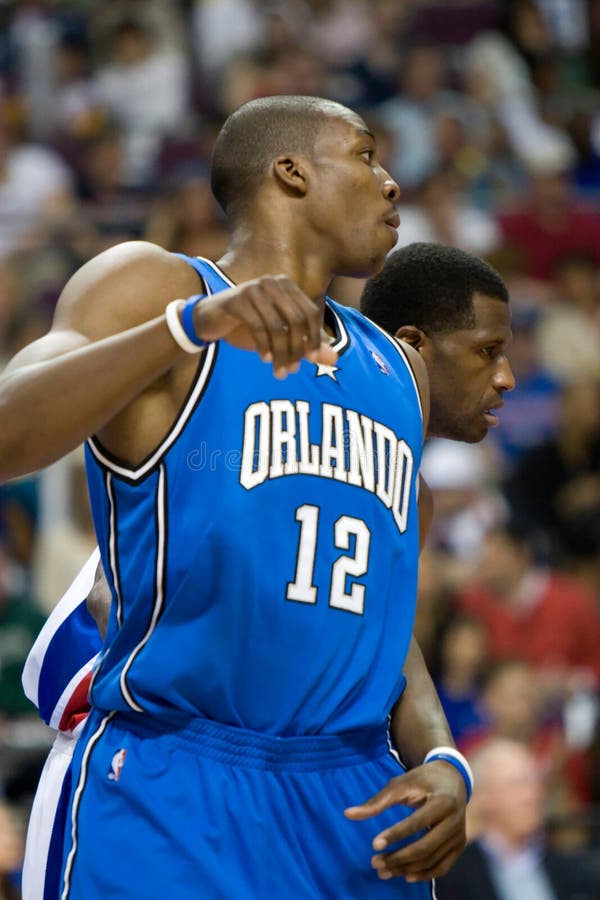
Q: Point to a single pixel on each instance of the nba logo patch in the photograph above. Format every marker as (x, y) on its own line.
(381, 363)
(116, 765)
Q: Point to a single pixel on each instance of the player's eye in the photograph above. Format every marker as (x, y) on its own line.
(368, 154)
(490, 352)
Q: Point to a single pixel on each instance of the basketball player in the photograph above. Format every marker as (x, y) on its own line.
(213, 728)
(456, 302)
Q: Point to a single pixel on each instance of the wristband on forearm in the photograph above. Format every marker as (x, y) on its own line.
(456, 759)
(180, 321)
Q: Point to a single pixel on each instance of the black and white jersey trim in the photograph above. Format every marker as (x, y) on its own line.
(159, 586)
(93, 740)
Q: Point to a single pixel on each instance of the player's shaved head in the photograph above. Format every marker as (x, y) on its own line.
(256, 134)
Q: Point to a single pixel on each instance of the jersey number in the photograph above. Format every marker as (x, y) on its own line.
(302, 589)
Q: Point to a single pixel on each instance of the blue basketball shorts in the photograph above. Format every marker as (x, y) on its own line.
(210, 811)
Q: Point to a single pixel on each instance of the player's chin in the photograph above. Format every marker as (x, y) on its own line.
(475, 432)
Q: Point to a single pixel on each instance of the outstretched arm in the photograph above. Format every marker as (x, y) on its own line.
(110, 354)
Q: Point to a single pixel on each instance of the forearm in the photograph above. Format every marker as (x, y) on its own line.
(49, 407)
(418, 719)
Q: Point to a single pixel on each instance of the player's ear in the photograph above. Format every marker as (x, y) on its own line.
(291, 173)
(412, 335)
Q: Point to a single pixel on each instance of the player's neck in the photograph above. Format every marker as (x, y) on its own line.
(250, 256)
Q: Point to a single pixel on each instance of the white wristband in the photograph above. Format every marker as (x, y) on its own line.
(455, 758)
(176, 328)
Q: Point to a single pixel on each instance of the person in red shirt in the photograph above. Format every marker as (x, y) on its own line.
(541, 615)
(550, 224)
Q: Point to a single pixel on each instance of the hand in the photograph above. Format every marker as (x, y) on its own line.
(270, 315)
(438, 792)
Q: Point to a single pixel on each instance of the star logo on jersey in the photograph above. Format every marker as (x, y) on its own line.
(330, 371)
(381, 363)
(116, 765)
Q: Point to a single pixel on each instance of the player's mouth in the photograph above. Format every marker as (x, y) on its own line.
(393, 221)
(490, 417)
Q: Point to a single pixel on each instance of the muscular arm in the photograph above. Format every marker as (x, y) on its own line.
(109, 341)
(110, 366)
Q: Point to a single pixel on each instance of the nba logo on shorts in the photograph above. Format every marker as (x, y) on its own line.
(116, 765)
(381, 364)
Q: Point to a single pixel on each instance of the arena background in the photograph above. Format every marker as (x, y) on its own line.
(488, 115)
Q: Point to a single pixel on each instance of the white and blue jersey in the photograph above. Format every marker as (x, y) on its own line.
(59, 667)
(263, 558)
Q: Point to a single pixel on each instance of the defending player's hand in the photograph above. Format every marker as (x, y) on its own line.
(270, 315)
(438, 794)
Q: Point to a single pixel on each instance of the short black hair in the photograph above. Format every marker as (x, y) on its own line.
(430, 286)
(254, 135)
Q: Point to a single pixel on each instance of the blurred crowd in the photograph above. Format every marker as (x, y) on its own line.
(487, 113)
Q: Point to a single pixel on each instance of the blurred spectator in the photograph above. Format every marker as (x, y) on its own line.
(529, 31)
(186, 218)
(370, 79)
(338, 30)
(66, 539)
(531, 412)
(456, 23)
(277, 68)
(533, 611)
(567, 23)
(33, 35)
(463, 654)
(555, 489)
(75, 108)
(440, 213)
(511, 706)
(509, 858)
(20, 622)
(145, 86)
(568, 334)
(18, 520)
(35, 191)
(110, 208)
(434, 605)
(582, 130)
(11, 853)
(550, 223)
(222, 30)
(466, 501)
(423, 90)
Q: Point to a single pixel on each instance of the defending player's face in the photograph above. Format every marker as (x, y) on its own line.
(469, 373)
(352, 198)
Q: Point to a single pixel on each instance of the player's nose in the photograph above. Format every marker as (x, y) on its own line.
(504, 376)
(390, 188)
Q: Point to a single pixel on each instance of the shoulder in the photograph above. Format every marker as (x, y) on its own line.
(409, 354)
(122, 287)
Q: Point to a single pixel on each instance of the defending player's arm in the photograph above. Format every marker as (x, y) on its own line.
(110, 350)
(437, 790)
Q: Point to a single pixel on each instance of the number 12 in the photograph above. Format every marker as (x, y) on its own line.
(302, 589)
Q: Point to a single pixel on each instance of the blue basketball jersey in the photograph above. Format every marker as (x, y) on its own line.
(263, 559)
